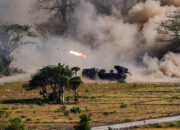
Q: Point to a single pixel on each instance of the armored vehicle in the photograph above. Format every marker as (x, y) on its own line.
(94, 73)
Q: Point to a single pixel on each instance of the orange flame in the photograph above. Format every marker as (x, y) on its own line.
(77, 53)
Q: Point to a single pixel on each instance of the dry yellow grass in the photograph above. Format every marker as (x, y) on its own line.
(102, 100)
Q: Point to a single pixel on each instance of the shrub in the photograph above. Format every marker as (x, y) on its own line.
(75, 110)
(40, 102)
(66, 113)
(28, 119)
(123, 105)
(109, 128)
(15, 124)
(14, 108)
(172, 124)
(83, 124)
(62, 108)
(157, 125)
(87, 90)
(23, 116)
(108, 113)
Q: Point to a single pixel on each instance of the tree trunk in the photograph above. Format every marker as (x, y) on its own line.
(54, 94)
(62, 95)
(6, 61)
(64, 11)
(76, 96)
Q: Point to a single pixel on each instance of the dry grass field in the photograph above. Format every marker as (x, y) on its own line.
(102, 100)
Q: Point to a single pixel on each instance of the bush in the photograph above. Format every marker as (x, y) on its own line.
(23, 116)
(40, 102)
(87, 90)
(14, 108)
(157, 125)
(15, 124)
(83, 124)
(109, 128)
(28, 119)
(124, 105)
(66, 113)
(108, 113)
(172, 124)
(62, 108)
(76, 110)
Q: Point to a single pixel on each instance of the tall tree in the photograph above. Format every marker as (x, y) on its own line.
(11, 37)
(60, 8)
(57, 77)
(170, 29)
(46, 29)
(171, 26)
(75, 70)
(75, 82)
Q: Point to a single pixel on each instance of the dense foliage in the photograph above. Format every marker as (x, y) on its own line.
(58, 78)
(83, 124)
(11, 38)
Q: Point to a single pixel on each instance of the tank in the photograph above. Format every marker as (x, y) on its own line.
(95, 73)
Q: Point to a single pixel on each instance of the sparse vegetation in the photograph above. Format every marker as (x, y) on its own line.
(15, 124)
(167, 125)
(62, 108)
(109, 113)
(66, 113)
(28, 119)
(103, 101)
(123, 105)
(76, 109)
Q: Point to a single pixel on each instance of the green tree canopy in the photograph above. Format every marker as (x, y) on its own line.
(83, 124)
(57, 77)
(11, 37)
(75, 82)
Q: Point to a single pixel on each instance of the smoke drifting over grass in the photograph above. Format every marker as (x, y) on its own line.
(127, 39)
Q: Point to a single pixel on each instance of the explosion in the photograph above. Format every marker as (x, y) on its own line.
(77, 53)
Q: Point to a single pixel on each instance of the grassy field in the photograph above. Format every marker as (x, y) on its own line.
(161, 126)
(102, 100)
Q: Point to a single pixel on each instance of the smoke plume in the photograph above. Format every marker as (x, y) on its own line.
(123, 34)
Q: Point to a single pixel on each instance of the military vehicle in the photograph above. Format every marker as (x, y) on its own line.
(94, 73)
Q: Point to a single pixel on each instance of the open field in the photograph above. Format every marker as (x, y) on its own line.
(161, 126)
(102, 100)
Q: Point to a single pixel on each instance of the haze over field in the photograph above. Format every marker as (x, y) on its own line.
(123, 34)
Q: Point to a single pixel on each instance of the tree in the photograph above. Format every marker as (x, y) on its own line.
(11, 37)
(83, 124)
(59, 8)
(171, 26)
(75, 70)
(170, 29)
(57, 77)
(50, 28)
(75, 82)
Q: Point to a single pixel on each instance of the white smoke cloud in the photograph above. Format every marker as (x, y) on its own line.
(107, 40)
